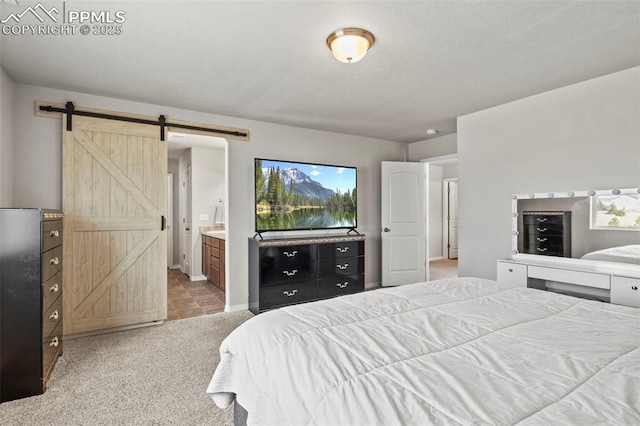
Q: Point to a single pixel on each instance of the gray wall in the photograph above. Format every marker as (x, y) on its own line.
(38, 152)
(434, 147)
(579, 137)
(435, 233)
(175, 234)
(207, 187)
(7, 95)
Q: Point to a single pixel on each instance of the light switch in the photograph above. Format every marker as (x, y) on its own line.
(204, 216)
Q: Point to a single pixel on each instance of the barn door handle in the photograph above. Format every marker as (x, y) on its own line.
(163, 223)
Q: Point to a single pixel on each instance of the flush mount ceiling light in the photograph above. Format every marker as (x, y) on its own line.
(432, 132)
(349, 45)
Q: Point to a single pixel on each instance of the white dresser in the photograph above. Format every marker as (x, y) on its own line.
(617, 282)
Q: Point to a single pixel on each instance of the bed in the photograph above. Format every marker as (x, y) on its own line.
(624, 254)
(452, 351)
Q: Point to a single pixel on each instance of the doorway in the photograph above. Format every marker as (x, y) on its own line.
(443, 229)
(199, 163)
(450, 218)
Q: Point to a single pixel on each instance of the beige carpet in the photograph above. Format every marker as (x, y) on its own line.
(150, 376)
(444, 268)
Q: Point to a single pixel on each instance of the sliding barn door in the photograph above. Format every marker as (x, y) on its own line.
(114, 198)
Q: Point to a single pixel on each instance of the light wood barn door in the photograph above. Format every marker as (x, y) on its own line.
(115, 253)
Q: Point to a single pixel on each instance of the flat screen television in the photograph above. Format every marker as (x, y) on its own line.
(293, 196)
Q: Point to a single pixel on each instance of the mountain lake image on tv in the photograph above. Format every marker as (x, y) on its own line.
(304, 196)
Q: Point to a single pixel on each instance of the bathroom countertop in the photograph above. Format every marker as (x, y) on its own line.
(215, 234)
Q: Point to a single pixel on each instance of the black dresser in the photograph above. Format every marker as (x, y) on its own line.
(30, 300)
(547, 233)
(287, 271)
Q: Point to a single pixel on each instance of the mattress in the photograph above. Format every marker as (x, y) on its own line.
(453, 351)
(625, 254)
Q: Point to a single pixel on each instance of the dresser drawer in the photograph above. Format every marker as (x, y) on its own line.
(51, 262)
(51, 290)
(625, 291)
(51, 234)
(338, 286)
(341, 266)
(288, 254)
(552, 246)
(543, 231)
(512, 274)
(52, 317)
(281, 273)
(588, 279)
(550, 220)
(288, 294)
(51, 349)
(340, 250)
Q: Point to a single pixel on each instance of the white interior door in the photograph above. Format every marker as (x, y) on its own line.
(453, 218)
(404, 223)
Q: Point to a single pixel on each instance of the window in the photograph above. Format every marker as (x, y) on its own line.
(618, 211)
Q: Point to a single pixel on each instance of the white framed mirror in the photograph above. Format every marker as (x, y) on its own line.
(602, 225)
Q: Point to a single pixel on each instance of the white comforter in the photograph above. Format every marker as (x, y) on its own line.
(457, 351)
(625, 254)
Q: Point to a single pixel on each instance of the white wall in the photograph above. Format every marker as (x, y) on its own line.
(37, 177)
(435, 212)
(7, 97)
(580, 137)
(434, 147)
(450, 171)
(172, 167)
(207, 187)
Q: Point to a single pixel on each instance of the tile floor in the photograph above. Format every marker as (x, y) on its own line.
(186, 299)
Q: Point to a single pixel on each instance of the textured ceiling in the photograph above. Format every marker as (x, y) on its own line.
(432, 61)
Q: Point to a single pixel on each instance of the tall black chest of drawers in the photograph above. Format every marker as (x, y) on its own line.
(547, 233)
(288, 271)
(30, 299)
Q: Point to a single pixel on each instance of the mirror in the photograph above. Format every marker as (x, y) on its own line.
(599, 225)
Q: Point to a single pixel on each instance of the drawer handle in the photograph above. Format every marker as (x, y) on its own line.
(542, 219)
(541, 229)
(290, 293)
(54, 343)
(342, 249)
(293, 253)
(542, 240)
(342, 267)
(54, 315)
(54, 261)
(54, 234)
(634, 287)
(542, 249)
(54, 288)
(346, 283)
(290, 274)
(510, 269)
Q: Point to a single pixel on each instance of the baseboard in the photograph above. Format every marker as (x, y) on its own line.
(431, 259)
(236, 308)
(198, 278)
(175, 267)
(111, 330)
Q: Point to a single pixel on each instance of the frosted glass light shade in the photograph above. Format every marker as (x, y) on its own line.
(349, 45)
